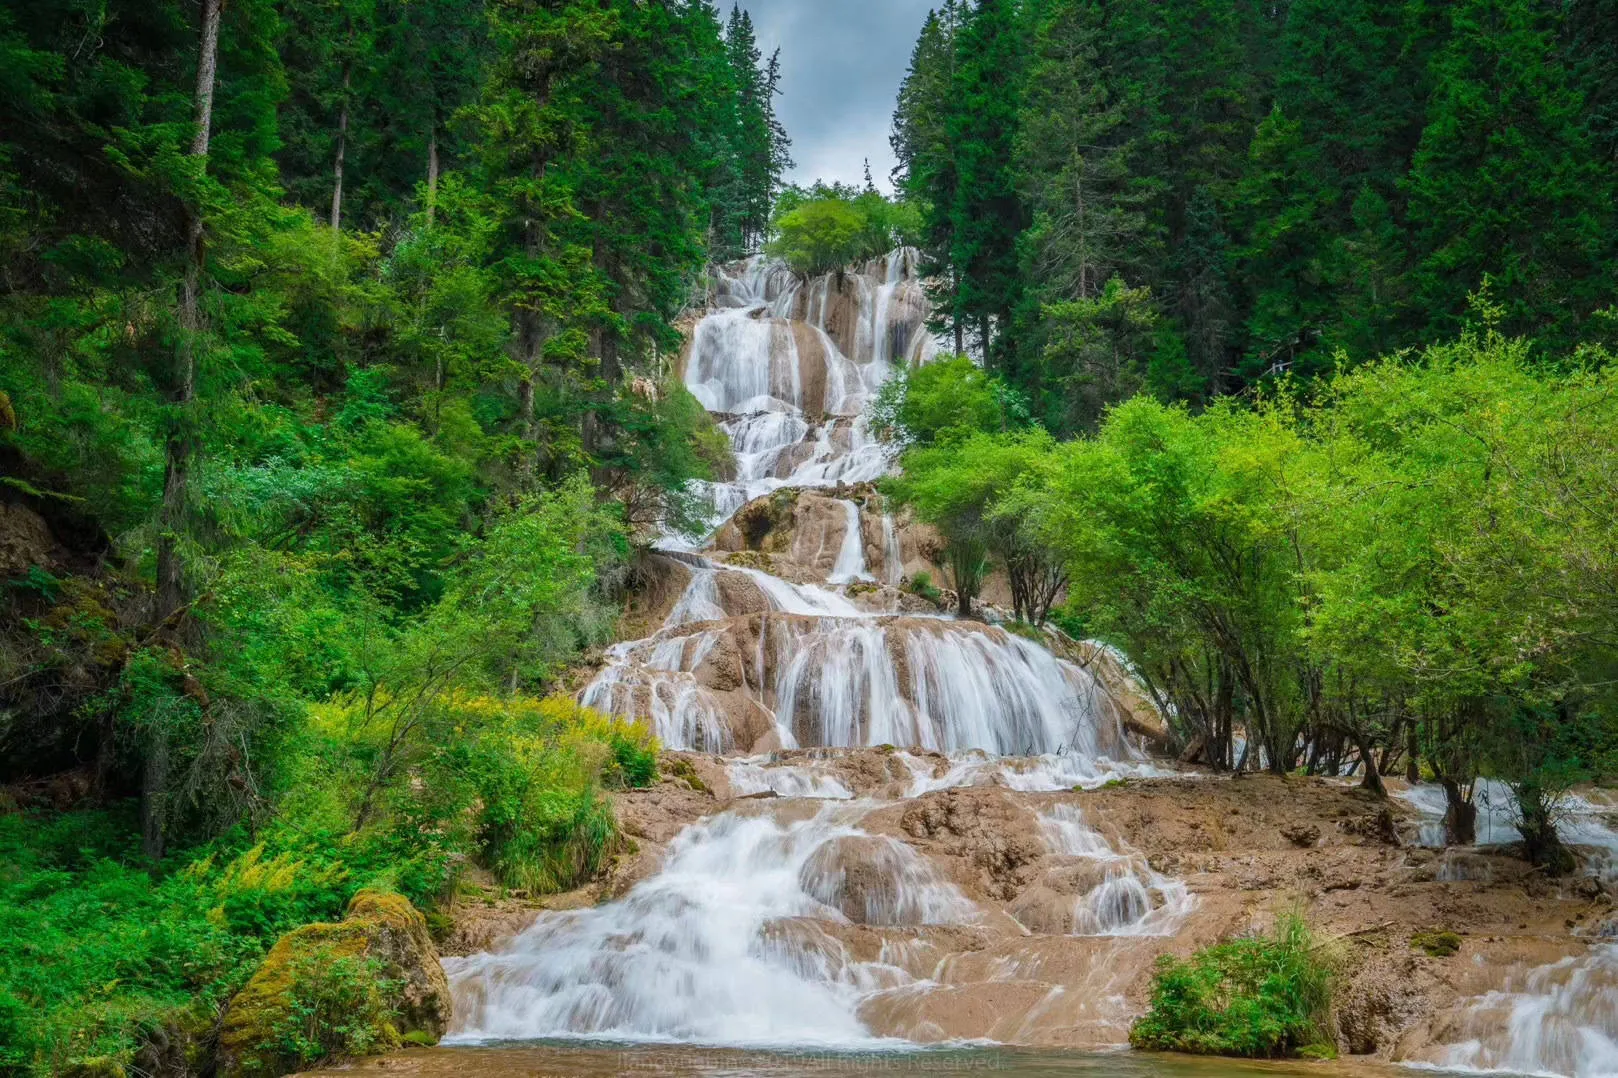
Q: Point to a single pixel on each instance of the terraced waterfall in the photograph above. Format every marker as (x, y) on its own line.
(902, 858)
(799, 919)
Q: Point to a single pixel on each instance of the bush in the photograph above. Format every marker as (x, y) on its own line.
(337, 1008)
(1261, 997)
(922, 584)
(99, 952)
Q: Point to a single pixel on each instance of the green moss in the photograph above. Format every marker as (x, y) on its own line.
(253, 1032)
(1025, 630)
(681, 770)
(751, 559)
(330, 991)
(1436, 944)
(417, 1039)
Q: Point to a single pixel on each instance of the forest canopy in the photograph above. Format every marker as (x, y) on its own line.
(1190, 198)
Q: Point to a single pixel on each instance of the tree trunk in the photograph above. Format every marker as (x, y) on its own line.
(1541, 844)
(1247, 748)
(154, 795)
(342, 153)
(1373, 774)
(432, 174)
(177, 465)
(1460, 818)
(171, 589)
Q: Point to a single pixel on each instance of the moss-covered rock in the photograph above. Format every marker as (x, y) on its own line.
(364, 985)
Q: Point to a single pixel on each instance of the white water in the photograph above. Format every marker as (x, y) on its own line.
(850, 565)
(1560, 1019)
(1585, 826)
(696, 953)
(893, 560)
(1131, 899)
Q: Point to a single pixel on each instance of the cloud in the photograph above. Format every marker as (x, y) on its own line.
(841, 65)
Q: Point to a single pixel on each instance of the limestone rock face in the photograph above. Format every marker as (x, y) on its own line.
(383, 928)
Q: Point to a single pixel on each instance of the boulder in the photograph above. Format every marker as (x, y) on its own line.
(412, 1002)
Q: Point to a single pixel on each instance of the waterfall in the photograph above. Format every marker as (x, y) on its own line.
(893, 559)
(1560, 1019)
(806, 920)
(698, 952)
(833, 678)
(850, 565)
(1128, 898)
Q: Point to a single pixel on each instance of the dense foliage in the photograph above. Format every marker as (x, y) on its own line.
(1193, 197)
(1404, 569)
(335, 401)
(1255, 996)
(826, 228)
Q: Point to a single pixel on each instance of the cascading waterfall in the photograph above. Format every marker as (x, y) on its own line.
(694, 953)
(850, 565)
(751, 931)
(1130, 899)
(1560, 1019)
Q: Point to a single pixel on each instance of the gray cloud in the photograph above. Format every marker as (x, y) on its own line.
(841, 65)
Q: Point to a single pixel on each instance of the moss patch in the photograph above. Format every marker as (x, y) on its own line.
(680, 769)
(1436, 944)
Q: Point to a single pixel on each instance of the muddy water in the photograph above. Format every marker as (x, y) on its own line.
(570, 1060)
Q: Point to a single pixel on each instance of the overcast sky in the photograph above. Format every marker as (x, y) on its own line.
(841, 62)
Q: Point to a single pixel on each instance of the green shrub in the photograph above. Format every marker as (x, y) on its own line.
(337, 1008)
(1259, 997)
(634, 762)
(922, 584)
(98, 950)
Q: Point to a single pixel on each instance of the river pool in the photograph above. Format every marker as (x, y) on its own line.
(571, 1060)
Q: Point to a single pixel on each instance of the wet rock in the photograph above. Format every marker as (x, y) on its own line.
(874, 880)
(987, 830)
(1379, 1001)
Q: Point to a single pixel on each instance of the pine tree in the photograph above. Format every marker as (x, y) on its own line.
(1505, 182)
(1074, 148)
(926, 171)
(986, 212)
